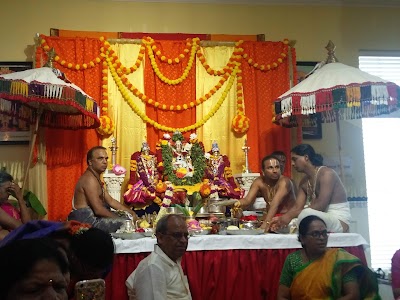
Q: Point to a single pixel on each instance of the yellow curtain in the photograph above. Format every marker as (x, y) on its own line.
(130, 130)
(218, 128)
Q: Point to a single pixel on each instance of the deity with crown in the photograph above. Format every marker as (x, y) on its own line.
(219, 172)
(143, 178)
(183, 161)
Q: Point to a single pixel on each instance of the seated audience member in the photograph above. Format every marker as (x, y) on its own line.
(320, 192)
(33, 269)
(11, 217)
(276, 189)
(160, 275)
(396, 274)
(81, 245)
(317, 272)
(92, 203)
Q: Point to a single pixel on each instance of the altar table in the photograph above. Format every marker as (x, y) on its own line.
(225, 267)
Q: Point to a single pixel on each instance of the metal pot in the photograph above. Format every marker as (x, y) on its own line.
(173, 210)
(214, 208)
(250, 224)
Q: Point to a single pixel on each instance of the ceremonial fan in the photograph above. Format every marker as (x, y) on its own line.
(336, 92)
(45, 97)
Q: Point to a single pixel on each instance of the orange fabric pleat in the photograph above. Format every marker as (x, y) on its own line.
(66, 149)
(260, 89)
(169, 94)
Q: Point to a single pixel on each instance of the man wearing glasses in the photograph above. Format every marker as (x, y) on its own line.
(160, 275)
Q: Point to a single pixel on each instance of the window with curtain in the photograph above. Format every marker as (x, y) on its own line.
(382, 165)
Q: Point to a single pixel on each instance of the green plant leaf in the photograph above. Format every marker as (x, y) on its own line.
(198, 207)
(183, 210)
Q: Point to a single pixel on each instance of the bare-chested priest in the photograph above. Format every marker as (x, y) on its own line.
(320, 193)
(277, 190)
(92, 203)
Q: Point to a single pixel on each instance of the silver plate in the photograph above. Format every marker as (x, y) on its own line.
(245, 232)
(128, 235)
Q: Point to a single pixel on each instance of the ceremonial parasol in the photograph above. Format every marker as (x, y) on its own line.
(45, 97)
(335, 91)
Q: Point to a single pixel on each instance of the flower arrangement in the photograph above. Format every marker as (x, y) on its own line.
(106, 126)
(78, 228)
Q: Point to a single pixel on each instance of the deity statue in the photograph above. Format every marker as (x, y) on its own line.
(182, 161)
(143, 178)
(219, 172)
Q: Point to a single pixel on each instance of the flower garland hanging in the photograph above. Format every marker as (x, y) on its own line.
(106, 49)
(236, 56)
(185, 73)
(240, 123)
(165, 59)
(91, 64)
(178, 107)
(125, 94)
(271, 65)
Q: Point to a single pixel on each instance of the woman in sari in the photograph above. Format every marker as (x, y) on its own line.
(317, 272)
(10, 216)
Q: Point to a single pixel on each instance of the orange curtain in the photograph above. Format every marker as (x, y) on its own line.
(169, 94)
(260, 89)
(66, 149)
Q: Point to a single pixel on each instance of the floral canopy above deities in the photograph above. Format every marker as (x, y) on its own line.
(231, 73)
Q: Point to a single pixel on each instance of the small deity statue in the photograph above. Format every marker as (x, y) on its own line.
(143, 178)
(219, 172)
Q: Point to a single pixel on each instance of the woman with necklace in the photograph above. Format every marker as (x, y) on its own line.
(321, 192)
(317, 272)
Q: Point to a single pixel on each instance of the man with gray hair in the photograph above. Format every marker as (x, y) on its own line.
(160, 276)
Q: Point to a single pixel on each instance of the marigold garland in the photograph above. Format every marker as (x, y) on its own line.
(91, 64)
(168, 60)
(185, 73)
(125, 94)
(271, 65)
(106, 126)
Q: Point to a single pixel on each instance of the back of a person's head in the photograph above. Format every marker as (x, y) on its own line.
(4, 177)
(306, 149)
(19, 257)
(93, 247)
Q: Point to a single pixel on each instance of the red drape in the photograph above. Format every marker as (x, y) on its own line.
(260, 89)
(66, 149)
(218, 274)
(169, 94)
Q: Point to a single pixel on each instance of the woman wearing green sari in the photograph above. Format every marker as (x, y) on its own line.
(317, 272)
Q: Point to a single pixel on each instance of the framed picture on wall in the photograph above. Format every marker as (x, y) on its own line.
(312, 130)
(12, 130)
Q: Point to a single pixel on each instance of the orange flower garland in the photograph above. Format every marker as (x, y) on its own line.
(106, 126)
(69, 65)
(165, 59)
(240, 122)
(271, 65)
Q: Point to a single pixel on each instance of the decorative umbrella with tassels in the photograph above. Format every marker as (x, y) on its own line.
(45, 97)
(336, 91)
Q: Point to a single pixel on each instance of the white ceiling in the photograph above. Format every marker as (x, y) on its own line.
(367, 3)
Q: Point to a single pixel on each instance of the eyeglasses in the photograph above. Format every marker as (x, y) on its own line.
(178, 235)
(317, 234)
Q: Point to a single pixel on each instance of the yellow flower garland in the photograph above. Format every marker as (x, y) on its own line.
(271, 65)
(165, 59)
(69, 65)
(185, 73)
(178, 107)
(125, 94)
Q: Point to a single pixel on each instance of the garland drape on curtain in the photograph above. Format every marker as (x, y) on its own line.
(260, 89)
(218, 128)
(66, 149)
(130, 130)
(169, 94)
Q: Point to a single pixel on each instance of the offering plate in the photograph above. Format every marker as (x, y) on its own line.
(245, 232)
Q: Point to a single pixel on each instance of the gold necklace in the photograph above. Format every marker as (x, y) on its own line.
(311, 195)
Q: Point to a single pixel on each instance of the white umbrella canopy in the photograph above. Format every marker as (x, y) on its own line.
(45, 97)
(335, 91)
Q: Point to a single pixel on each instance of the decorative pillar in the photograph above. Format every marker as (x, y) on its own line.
(113, 182)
